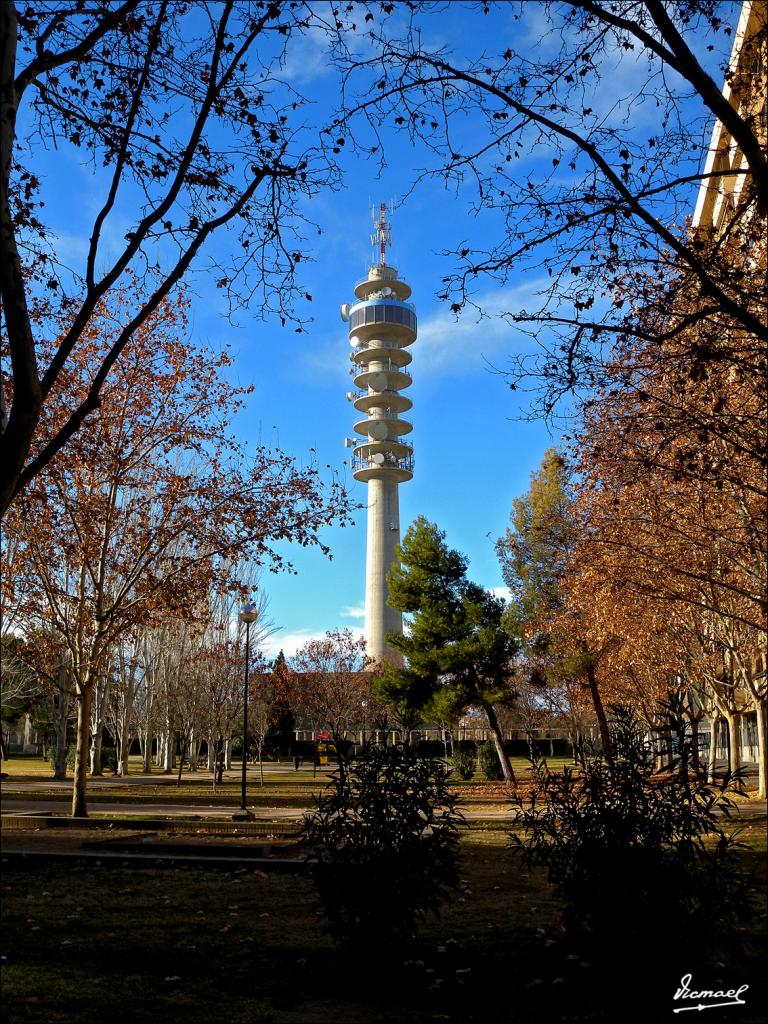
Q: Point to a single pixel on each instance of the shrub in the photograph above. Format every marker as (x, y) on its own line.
(633, 855)
(108, 759)
(488, 762)
(430, 748)
(463, 761)
(385, 838)
(71, 751)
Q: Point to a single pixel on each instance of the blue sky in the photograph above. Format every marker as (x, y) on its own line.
(474, 451)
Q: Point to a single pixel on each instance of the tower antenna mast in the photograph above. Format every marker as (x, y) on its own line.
(382, 236)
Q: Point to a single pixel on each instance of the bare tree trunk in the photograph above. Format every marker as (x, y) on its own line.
(714, 726)
(734, 742)
(337, 740)
(602, 721)
(665, 749)
(695, 759)
(762, 750)
(60, 759)
(183, 747)
(193, 749)
(217, 747)
(61, 720)
(124, 746)
(98, 704)
(97, 737)
(84, 697)
(145, 743)
(498, 742)
(531, 748)
(168, 752)
(657, 746)
(444, 738)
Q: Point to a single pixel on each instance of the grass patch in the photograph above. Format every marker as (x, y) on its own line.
(21, 765)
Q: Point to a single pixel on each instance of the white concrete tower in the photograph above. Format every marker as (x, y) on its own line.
(382, 324)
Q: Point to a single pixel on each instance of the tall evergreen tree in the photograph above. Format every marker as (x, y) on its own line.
(457, 655)
(534, 554)
(535, 547)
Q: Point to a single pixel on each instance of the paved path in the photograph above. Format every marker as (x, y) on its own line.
(263, 812)
(266, 813)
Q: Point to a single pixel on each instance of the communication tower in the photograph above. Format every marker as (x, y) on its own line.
(382, 326)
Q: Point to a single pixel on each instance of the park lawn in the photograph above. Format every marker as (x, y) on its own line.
(280, 789)
(145, 944)
(23, 766)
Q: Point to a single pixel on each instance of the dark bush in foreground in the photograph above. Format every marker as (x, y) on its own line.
(640, 861)
(385, 837)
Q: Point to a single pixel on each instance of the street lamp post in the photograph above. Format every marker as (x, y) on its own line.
(248, 615)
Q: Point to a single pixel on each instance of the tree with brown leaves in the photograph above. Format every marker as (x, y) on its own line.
(144, 513)
(331, 684)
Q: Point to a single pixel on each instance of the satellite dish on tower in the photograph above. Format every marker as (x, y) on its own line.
(377, 381)
(377, 459)
(344, 312)
(355, 341)
(378, 430)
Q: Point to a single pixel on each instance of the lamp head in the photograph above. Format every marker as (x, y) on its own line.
(249, 613)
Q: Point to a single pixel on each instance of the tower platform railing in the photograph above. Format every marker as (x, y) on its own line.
(360, 368)
(403, 462)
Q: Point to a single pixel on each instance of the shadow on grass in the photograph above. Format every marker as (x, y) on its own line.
(142, 945)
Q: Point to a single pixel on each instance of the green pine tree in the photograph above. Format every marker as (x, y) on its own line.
(456, 653)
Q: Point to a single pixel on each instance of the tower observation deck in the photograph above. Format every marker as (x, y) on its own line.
(382, 326)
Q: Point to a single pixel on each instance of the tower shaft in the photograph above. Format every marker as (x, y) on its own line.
(381, 555)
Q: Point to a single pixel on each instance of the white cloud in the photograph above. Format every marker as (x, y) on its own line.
(451, 347)
(289, 643)
(353, 612)
(308, 58)
(502, 592)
